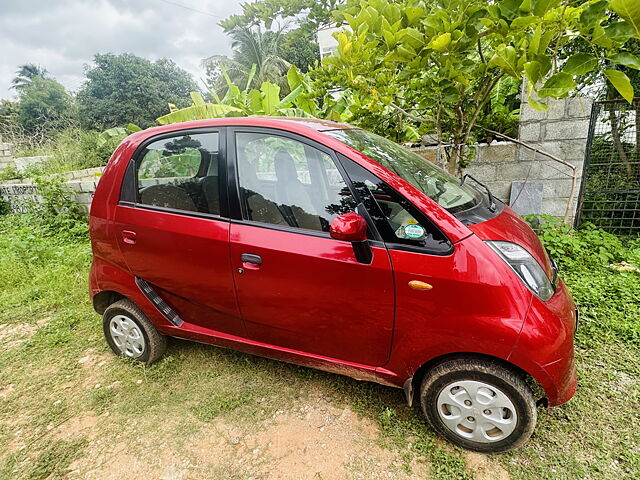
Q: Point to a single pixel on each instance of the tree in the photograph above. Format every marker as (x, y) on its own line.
(44, 105)
(435, 68)
(251, 46)
(310, 14)
(25, 74)
(125, 88)
(8, 115)
(299, 48)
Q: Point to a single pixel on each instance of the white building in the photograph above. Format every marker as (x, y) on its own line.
(326, 41)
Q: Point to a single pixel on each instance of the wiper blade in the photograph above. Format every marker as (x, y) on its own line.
(492, 203)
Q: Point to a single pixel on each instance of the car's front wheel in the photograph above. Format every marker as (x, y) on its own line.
(479, 404)
(129, 333)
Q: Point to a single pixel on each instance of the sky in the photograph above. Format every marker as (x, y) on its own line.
(63, 35)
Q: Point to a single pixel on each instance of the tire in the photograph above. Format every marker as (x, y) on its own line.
(130, 334)
(501, 416)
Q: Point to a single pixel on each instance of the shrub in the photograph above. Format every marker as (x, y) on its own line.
(10, 173)
(607, 298)
(58, 211)
(5, 208)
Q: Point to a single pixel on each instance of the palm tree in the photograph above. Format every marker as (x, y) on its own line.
(25, 75)
(250, 47)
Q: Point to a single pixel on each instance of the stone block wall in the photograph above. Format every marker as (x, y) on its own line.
(22, 193)
(561, 131)
(6, 159)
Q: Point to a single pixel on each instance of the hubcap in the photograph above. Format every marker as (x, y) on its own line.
(477, 411)
(127, 336)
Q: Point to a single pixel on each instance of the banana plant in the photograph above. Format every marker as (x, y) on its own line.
(265, 101)
(110, 133)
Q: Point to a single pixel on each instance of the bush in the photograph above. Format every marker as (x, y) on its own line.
(5, 208)
(10, 173)
(58, 213)
(607, 298)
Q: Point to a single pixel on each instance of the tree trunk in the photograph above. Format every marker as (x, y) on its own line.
(615, 134)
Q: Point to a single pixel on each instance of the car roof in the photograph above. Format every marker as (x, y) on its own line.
(287, 123)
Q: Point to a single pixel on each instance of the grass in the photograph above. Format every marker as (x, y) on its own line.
(67, 150)
(48, 386)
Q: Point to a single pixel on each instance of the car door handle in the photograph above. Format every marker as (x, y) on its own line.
(129, 237)
(251, 258)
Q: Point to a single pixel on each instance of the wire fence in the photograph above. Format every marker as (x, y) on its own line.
(610, 190)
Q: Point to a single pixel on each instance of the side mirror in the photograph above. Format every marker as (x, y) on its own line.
(350, 227)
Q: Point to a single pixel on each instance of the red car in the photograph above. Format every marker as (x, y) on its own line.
(324, 245)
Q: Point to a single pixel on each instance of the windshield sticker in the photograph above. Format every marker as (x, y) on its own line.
(414, 231)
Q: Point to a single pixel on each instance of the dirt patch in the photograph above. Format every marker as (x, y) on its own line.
(91, 359)
(13, 334)
(6, 391)
(315, 440)
(76, 427)
(483, 468)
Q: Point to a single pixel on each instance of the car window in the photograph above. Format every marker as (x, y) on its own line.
(422, 174)
(286, 182)
(397, 220)
(181, 173)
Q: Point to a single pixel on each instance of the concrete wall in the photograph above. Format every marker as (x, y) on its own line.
(6, 159)
(561, 131)
(21, 193)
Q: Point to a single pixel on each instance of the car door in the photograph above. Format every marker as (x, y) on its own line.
(171, 228)
(296, 286)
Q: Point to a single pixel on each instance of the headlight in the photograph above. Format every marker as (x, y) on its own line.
(527, 268)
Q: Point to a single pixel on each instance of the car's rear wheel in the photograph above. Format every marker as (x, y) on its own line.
(130, 334)
(479, 404)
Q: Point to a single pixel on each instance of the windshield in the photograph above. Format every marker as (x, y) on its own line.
(437, 184)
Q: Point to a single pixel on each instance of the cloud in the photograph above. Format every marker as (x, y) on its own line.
(63, 35)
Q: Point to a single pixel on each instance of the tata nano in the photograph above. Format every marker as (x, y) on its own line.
(327, 246)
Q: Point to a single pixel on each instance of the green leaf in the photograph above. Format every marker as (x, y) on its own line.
(593, 14)
(542, 107)
(619, 32)
(197, 99)
(289, 99)
(629, 10)
(534, 43)
(254, 102)
(105, 136)
(505, 58)
(540, 7)
(626, 59)
(252, 74)
(621, 83)
(557, 86)
(580, 64)
(132, 127)
(534, 71)
(294, 78)
(197, 112)
(600, 38)
(413, 14)
(271, 97)
(524, 22)
(441, 42)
